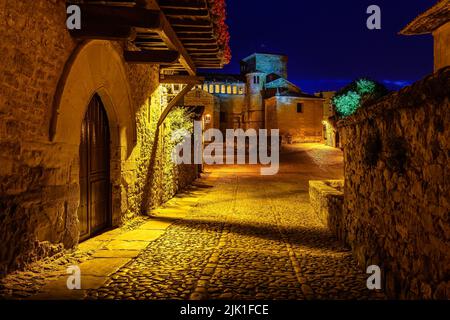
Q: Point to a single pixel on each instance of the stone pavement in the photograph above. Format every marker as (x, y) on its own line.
(237, 235)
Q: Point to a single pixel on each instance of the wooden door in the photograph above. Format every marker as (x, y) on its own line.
(94, 211)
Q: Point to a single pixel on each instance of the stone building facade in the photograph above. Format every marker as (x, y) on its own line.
(299, 119)
(261, 97)
(330, 132)
(48, 82)
(396, 204)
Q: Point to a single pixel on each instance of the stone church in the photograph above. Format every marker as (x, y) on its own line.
(260, 97)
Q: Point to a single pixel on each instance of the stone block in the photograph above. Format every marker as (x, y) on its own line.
(326, 198)
(102, 267)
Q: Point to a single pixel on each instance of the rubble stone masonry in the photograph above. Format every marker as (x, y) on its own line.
(46, 82)
(397, 187)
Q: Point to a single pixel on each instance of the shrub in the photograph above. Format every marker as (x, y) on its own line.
(360, 92)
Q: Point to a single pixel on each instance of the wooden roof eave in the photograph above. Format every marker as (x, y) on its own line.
(112, 22)
(169, 26)
(429, 20)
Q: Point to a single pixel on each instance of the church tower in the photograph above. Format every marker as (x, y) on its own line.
(256, 68)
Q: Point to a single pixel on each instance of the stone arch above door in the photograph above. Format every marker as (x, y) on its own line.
(94, 67)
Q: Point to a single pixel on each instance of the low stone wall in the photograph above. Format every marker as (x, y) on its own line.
(396, 203)
(327, 199)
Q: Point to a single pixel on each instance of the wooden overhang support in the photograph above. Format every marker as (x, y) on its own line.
(121, 22)
(174, 102)
(171, 40)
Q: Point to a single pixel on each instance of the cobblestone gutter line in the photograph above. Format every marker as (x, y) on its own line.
(306, 289)
(201, 289)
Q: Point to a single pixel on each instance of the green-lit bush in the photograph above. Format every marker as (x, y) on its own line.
(359, 93)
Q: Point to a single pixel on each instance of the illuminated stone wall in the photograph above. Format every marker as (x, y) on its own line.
(46, 81)
(442, 47)
(199, 97)
(232, 107)
(396, 204)
(281, 113)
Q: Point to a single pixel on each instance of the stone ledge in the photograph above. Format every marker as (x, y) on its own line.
(327, 199)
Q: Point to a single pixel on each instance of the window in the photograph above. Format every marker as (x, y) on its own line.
(241, 90)
(223, 89)
(299, 107)
(207, 119)
(256, 79)
(211, 88)
(235, 90)
(205, 87)
(217, 88)
(229, 89)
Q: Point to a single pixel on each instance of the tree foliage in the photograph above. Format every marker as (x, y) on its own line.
(359, 93)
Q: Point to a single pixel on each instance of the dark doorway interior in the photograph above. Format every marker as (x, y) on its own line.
(94, 212)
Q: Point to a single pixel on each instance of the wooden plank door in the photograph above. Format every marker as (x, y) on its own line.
(94, 212)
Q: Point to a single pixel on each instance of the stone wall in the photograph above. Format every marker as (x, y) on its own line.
(281, 113)
(266, 63)
(327, 199)
(396, 207)
(442, 46)
(46, 82)
(232, 106)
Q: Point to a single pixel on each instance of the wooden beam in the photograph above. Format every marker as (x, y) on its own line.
(181, 79)
(120, 15)
(141, 39)
(202, 50)
(151, 57)
(193, 29)
(148, 36)
(154, 46)
(141, 18)
(201, 46)
(200, 23)
(197, 36)
(190, 4)
(104, 32)
(170, 38)
(186, 12)
(173, 103)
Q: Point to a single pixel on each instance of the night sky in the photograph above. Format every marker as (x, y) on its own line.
(328, 43)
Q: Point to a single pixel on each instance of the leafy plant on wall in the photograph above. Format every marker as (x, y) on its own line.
(359, 93)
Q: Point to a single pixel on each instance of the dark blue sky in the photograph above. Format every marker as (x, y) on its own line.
(328, 43)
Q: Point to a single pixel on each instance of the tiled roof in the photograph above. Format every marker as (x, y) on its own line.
(269, 93)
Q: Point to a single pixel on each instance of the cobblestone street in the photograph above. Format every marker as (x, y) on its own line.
(239, 236)
(249, 237)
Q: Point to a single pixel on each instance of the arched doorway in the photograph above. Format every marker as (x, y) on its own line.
(94, 213)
